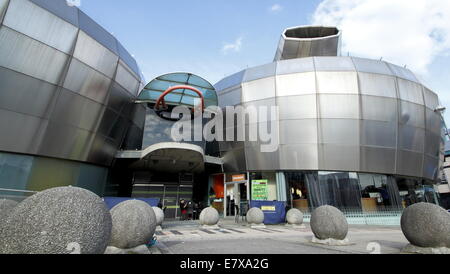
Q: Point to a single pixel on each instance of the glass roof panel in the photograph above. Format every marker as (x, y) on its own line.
(155, 88)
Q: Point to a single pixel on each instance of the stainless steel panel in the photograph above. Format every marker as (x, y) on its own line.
(41, 25)
(119, 130)
(87, 82)
(234, 161)
(118, 97)
(298, 131)
(334, 63)
(338, 157)
(107, 121)
(377, 85)
(297, 107)
(379, 109)
(128, 59)
(299, 157)
(304, 50)
(432, 144)
(337, 82)
(231, 97)
(371, 66)
(296, 84)
(409, 163)
(66, 142)
(30, 57)
(403, 73)
(3, 7)
(411, 138)
(433, 121)
(230, 81)
(97, 32)
(331, 48)
(263, 115)
(412, 114)
(25, 94)
(289, 49)
(20, 133)
(77, 111)
(410, 91)
(95, 55)
(378, 133)
(339, 106)
(133, 139)
(339, 131)
(431, 99)
(61, 9)
(295, 65)
(258, 89)
(377, 160)
(138, 117)
(126, 79)
(257, 160)
(102, 151)
(430, 167)
(260, 72)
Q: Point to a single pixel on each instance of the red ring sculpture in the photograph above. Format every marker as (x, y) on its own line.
(161, 101)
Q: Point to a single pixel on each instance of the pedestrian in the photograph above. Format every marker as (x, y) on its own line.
(183, 208)
(190, 210)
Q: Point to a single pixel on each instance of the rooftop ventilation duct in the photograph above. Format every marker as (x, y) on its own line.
(306, 41)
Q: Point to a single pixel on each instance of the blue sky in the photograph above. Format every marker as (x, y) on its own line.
(215, 38)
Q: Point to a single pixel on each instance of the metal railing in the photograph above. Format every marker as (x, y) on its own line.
(383, 216)
(15, 194)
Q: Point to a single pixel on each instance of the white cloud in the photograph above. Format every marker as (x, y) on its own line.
(236, 46)
(276, 8)
(403, 32)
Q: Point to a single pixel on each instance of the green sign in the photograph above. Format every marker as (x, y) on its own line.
(259, 190)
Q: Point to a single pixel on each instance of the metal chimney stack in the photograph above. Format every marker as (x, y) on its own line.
(306, 41)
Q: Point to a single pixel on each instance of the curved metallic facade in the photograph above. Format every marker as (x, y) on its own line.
(67, 86)
(338, 114)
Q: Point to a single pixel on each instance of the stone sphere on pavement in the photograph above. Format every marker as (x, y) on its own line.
(209, 216)
(426, 225)
(6, 206)
(159, 213)
(255, 216)
(294, 216)
(57, 221)
(133, 224)
(328, 222)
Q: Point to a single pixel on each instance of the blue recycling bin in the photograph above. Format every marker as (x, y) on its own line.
(274, 211)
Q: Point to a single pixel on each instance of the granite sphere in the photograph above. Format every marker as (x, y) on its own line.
(159, 213)
(133, 224)
(426, 225)
(209, 216)
(6, 205)
(328, 222)
(255, 216)
(294, 216)
(57, 221)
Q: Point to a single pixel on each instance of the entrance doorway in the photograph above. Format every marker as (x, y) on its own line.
(237, 198)
(169, 192)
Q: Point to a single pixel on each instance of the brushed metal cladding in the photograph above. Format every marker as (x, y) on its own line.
(305, 41)
(31, 57)
(41, 25)
(338, 113)
(67, 86)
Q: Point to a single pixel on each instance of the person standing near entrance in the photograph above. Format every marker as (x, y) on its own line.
(183, 208)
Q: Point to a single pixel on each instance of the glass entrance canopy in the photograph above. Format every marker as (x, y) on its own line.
(153, 90)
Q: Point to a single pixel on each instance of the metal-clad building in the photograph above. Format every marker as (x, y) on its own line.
(67, 91)
(345, 124)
